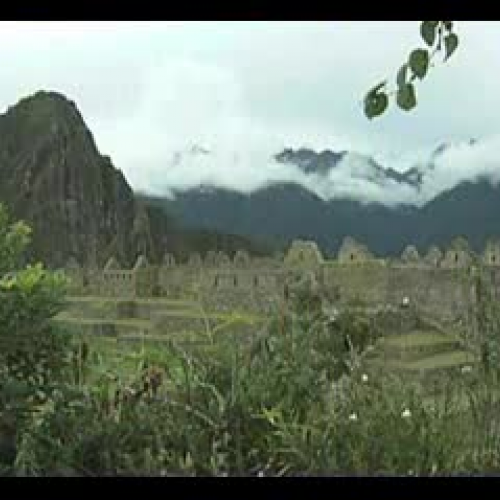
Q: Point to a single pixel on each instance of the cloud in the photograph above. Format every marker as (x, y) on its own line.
(464, 162)
(246, 90)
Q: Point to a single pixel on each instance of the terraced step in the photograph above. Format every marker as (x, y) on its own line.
(139, 300)
(442, 361)
(429, 370)
(93, 326)
(417, 345)
(122, 308)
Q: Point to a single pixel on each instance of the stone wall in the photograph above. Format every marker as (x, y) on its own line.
(438, 282)
(353, 252)
(303, 254)
(366, 281)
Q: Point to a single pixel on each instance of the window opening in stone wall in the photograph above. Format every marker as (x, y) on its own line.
(456, 257)
(255, 281)
(352, 256)
(235, 281)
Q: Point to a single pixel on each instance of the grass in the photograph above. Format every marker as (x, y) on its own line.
(141, 300)
(418, 339)
(442, 361)
(122, 358)
(139, 323)
(184, 308)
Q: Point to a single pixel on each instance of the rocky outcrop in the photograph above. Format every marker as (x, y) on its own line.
(53, 176)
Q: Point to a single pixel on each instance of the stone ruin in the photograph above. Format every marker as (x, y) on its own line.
(195, 260)
(353, 252)
(410, 255)
(491, 254)
(433, 256)
(241, 259)
(303, 254)
(211, 259)
(75, 274)
(258, 282)
(168, 260)
(458, 255)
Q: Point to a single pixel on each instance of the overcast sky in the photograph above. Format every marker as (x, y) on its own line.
(247, 89)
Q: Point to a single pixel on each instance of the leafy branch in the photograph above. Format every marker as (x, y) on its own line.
(438, 36)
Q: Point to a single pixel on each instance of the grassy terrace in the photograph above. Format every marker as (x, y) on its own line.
(442, 361)
(189, 314)
(140, 300)
(367, 263)
(173, 308)
(139, 323)
(418, 338)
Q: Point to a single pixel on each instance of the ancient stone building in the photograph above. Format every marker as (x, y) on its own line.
(211, 259)
(241, 259)
(258, 284)
(353, 252)
(303, 254)
(410, 255)
(433, 256)
(222, 260)
(245, 289)
(168, 260)
(115, 281)
(112, 265)
(140, 281)
(491, 254)
(75, 275)
(195, 260)
(144, 278)
(458, 255)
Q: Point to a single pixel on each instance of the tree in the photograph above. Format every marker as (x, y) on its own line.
(33, 352)
(438, 36)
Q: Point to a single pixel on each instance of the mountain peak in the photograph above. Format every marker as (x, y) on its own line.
(42, 116)
(44, 100)
(309, 161)
(53, 176)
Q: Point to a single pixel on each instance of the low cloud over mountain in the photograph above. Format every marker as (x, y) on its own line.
(334, 174)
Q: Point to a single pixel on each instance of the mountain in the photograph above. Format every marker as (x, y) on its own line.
(78, 204)
(52, 175)
(286, 210)
(282, 212)
(325, 162)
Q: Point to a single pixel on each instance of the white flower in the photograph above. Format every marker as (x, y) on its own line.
(261, 473)
(353, 417)
(466, 369)
(364, 377)
(406, 301)
(406, 413)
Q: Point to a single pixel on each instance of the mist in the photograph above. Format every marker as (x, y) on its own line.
(244, 91)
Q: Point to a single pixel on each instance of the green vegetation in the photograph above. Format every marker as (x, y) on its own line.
(296, 397)
(438, 36)
(34, 354)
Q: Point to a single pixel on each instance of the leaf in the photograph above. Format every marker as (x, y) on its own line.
(419, 62)
(378, 87)
(406, 97)
(428, 32)
(375, 102)
(450, 44)
(401, 78)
